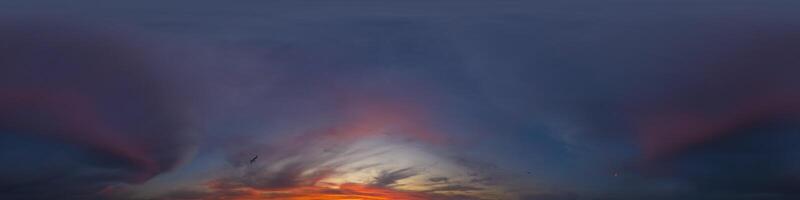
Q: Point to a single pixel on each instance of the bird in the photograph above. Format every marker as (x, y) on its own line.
(253, 160)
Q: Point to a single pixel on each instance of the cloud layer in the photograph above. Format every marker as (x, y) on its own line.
(91, 94)
(503, 100)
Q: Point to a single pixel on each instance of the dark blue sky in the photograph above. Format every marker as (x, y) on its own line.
(399, 100)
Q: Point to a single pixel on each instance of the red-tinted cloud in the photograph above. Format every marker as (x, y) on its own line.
(345, 191)
(72, 118)
(96, 96)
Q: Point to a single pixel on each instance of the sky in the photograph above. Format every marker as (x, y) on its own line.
(401, 100)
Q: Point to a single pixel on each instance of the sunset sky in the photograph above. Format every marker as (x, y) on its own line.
(400, 100)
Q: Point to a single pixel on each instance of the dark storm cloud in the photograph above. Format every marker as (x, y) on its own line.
(88, 106)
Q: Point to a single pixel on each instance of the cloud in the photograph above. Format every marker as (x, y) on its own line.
(549, 196)
(450, 188)
(438, 179)
(389, 178)
(646, 103)
(94, 95)
(344, 191)
(617, 89)
(343, 162)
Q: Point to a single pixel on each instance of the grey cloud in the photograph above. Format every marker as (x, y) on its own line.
(390, 178)
(438, 179)
(455, 188)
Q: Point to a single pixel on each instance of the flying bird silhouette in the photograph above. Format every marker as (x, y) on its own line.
(253, 160)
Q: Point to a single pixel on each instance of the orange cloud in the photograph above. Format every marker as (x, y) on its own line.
(347, 191)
